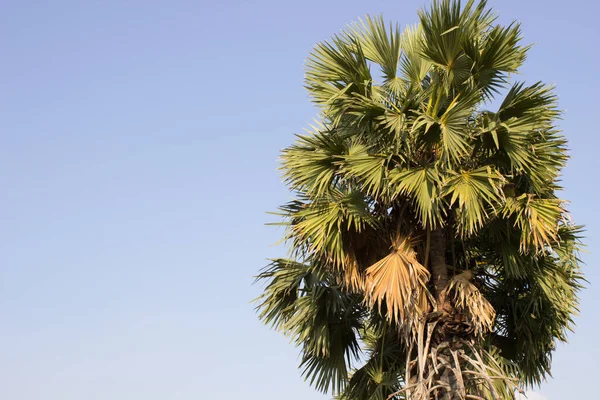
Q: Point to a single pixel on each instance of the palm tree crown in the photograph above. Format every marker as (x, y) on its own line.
(430, 256)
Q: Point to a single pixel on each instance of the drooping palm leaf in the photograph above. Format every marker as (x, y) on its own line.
(396, 281)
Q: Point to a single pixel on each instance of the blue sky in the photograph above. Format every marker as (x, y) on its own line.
(138, 147)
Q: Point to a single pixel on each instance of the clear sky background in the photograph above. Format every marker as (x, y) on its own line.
(138, 147)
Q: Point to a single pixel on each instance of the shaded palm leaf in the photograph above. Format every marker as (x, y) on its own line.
(469, 300)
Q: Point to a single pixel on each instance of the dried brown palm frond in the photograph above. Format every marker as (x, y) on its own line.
(397, 281)
(467, 299)
(352, 278)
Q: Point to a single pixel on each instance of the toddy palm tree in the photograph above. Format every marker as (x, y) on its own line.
(430, 255)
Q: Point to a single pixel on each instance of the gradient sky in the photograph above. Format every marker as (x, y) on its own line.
(138, 156)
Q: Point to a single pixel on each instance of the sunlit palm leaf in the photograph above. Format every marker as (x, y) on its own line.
(474, 192)
(321, 223)
(476, 189)
(379, 45)
(335, 71)
(413, 66)
(538, 220)
(310, 164)
(369, 169)
(421, 185)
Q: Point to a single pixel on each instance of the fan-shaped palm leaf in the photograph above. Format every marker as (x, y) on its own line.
(465, 198)
(396, 282)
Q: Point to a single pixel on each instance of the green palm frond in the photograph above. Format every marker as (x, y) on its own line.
(335, 72)
(310, 164)
(446, 25)
(379, 44)
(501, 51)
(422, 186)
(300, 301)
(446, 28)
(413, 66)
(286, 279)
(368, 169)
(535, 310)
(495, 56)
(372, 383)
(510, 149)
(533, 106)
(409, 185)
(475, 193)
(321, 223)
(550, 152)
(381, 373)
(538, 220)
(453, 122)
(325, 324)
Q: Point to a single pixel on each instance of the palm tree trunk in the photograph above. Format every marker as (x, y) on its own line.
(439, 272)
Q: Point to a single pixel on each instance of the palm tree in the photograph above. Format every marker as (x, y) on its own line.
(430, 257)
